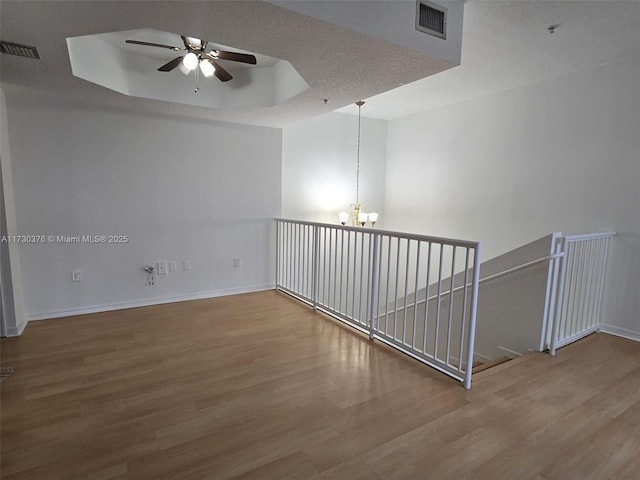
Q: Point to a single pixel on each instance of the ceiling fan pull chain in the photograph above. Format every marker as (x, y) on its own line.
(197, 81)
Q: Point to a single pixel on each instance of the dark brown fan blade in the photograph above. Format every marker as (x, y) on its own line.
(220, 72)
(236, 57)
(167, 67)
(148, 44)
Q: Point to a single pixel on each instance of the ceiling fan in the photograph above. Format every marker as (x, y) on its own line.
(197, 56)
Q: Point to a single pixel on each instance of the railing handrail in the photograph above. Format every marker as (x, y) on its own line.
(589, 236)
(410, 236)
(524, 266)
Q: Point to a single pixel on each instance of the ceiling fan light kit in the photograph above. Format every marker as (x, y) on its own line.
(196, 56)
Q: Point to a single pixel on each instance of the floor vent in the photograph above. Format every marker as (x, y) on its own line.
(19, 50)
(431, 18)
(5, 372)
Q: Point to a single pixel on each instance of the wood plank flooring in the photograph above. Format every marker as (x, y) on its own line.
(258, 386)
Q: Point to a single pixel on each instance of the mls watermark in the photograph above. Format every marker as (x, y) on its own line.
(65, 239)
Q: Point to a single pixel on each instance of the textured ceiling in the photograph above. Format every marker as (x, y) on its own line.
(337, 63)
(505, 44)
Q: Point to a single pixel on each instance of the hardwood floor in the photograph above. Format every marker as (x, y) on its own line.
(258, 386)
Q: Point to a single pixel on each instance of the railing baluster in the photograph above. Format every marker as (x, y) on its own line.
(449, 320)
(386, 302)
(329, 258)
(585, 315)
(406, 293)
(426, 301)
(415, 296)
(558, 317)
(361, 319)
(464, 310)
(595, 279)
(600, 296)
(316, 266)
(307, 256)
(571, 291)
(339, 309)
(577, 321)
(299, 253)
(290, 255)
(438, 299)
(346, 293)
(336, 278)
(355, 256)
(373, 310)
(395, 297)
(278, 255)
(472, 324)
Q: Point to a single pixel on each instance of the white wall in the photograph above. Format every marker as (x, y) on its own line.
(319, 167)
(180, 189)
(560, 155)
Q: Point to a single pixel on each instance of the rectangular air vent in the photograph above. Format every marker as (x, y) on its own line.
(18, 49)
(431, 18)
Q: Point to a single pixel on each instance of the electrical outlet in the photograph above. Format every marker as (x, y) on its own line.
(75, 276)
(186, 265)
(173, 266)
(237, 262)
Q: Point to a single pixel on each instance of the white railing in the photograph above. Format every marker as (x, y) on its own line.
(575, 288)
(416, 293)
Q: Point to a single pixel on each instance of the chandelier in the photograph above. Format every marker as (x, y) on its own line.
(357, 210)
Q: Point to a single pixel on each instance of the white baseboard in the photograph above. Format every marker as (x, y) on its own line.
(481, 358)
(146, 303)
(509, 353)
(16, 331)
(621, 332)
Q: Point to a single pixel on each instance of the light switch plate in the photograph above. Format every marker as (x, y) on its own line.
(162, 268)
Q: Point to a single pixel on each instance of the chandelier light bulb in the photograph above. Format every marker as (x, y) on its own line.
(190, 60)
(362, 218)
(343, 216)
(207, 68)
(373, 218)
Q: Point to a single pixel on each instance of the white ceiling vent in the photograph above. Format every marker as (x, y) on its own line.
(431, 18)
(18, 49)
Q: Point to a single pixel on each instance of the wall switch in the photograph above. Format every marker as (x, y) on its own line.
(173, 266)
(162, 268)
(75, 276)
(186, 265)
(236, 262)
